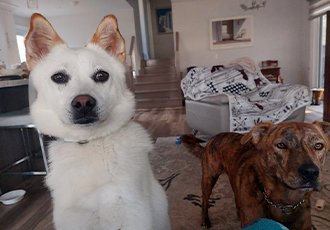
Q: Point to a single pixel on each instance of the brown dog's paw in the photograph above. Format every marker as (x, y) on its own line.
(206, 223)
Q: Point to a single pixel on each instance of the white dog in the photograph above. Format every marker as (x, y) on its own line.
(100, 176)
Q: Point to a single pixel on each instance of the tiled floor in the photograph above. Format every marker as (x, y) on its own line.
(314, 113)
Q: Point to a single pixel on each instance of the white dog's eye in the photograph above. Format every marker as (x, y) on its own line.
(101, 76)
(60, 78)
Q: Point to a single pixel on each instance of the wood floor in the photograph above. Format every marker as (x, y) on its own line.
(163, 122)
(35, 210)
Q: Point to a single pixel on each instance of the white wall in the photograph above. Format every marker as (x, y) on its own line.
(21, 22)
(77, 30)
(8, 45)
(281, 32)
(3, 43)
(138, 41)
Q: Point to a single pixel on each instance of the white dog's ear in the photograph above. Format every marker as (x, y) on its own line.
(109, 38)
(257, 133)
(40, 39)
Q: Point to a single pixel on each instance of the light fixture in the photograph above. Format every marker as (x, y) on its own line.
(32, 4)
(254, 5)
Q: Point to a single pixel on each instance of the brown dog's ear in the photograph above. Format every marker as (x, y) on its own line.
(256, 133)
(40, 39)
(324, 127)
(109, 38)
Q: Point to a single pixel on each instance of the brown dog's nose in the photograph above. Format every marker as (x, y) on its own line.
(309, 171)
(83, 104)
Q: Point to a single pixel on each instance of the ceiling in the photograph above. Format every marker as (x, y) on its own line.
(51, 8)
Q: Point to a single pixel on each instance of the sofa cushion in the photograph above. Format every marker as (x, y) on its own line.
(216, 100)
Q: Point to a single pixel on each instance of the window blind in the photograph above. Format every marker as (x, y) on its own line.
(318, 7)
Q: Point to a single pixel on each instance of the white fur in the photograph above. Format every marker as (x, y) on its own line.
(115, 101)
(106, 183)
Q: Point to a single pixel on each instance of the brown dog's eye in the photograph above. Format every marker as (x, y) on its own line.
(318, 146)
(281, 145)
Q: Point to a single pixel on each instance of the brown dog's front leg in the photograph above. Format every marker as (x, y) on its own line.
(208, 183)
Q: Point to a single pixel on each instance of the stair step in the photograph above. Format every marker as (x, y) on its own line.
(159, 82)
(161, 93)
(155, 77)
(157, 69)
(157, 85)
(159, 62)
(170, 84)
(158, 103)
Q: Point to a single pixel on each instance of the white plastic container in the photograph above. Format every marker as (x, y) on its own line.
(12, 197)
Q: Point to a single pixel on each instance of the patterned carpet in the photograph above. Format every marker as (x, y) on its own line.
(180, 174)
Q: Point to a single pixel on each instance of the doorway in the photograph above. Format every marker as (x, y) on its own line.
(322, 43)
(161, 41)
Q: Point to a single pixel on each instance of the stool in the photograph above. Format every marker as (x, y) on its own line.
(22, 120)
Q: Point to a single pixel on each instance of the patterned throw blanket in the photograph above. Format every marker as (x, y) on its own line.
(252, 98)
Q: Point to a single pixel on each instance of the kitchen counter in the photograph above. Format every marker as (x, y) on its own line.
(13, 83)
(13, 95)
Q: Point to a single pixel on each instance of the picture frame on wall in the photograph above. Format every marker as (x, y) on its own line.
(164, 20)
(232, 32)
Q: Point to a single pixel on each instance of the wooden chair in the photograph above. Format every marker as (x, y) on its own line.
(22, 120)
(271, 71)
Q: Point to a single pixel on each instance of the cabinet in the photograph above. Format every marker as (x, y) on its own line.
(272, 73)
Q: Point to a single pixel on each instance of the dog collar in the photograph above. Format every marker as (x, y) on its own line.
(287, 209)
(71, 140)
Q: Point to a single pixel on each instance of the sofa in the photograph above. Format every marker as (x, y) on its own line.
(236, 97)
(211, 115)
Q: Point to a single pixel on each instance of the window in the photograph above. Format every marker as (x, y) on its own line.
(21, 47)
(323, 26)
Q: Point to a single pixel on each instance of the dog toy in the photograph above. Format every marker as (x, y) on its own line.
(178, 140)
(265, 224)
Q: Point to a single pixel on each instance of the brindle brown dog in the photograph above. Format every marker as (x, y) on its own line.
(272, 170)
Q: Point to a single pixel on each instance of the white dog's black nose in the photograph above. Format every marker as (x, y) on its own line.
(309, 172)
(83, 104)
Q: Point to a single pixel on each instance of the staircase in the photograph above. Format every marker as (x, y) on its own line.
(157, 85)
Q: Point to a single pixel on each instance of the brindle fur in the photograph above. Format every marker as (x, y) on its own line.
(254, 161)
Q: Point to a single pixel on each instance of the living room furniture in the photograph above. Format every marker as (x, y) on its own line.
(271, 71)
(317, 96)
(17, 131)
(211, 115)
(22, 120)
(237, 96)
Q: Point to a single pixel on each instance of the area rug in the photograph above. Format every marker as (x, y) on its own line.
(180, 175)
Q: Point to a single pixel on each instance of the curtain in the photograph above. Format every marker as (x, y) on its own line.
(318, 8)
